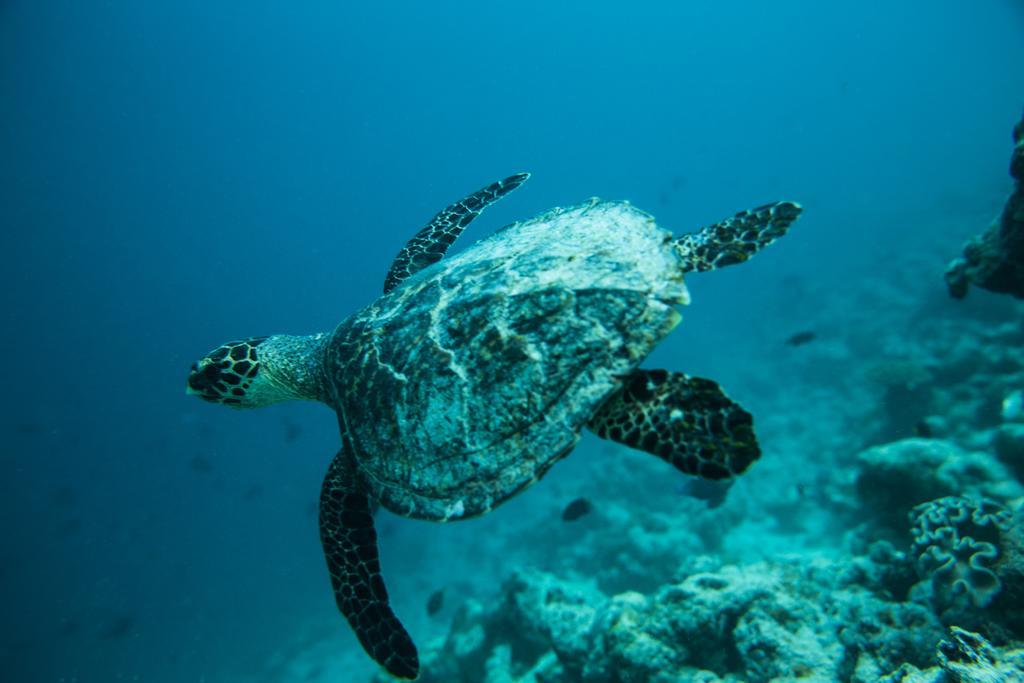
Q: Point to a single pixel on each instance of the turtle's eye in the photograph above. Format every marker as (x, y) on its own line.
(211, 372)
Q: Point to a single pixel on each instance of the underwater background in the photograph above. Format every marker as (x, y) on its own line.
(174, 175)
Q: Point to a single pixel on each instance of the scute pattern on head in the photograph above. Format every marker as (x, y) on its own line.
(226, 373)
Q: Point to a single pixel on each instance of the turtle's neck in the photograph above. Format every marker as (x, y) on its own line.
(293, 365)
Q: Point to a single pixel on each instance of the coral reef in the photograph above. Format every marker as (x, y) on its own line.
(953, 382)
(957, 544)
(965, 657)
(907, 389)
(976, 367)
(770, 621)
(874, 611)
(994, 260)
(895, 477)
(1008, 444)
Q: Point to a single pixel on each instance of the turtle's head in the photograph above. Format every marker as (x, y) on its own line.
(228, 374)
(259, 371)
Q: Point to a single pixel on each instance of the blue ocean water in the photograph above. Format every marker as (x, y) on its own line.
(176, 175)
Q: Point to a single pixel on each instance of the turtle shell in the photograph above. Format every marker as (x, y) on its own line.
(466, 383)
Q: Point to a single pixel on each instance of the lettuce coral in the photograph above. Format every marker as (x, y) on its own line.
(957, 542)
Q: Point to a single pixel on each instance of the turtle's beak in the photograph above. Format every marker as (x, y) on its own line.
(201, 378)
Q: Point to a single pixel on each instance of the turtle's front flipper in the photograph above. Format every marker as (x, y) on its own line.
(430, 244)
(687, 421)
(736, 239)
(350, 544)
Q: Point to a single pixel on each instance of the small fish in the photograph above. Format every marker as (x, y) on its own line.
(678, 183)
(801, 338)
(253, 492)
(69, 527)
(713, 493)
(122, 627)
(201, 464)
(68, 627)
(292, 431)
(64, 497)
(435, 602)
(576, 509)
(29, 429)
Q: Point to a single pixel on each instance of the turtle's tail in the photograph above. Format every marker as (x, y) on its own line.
(736, 239)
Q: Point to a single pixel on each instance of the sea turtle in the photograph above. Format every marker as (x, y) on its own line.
(470, 377)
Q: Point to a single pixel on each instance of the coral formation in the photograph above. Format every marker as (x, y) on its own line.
(777, 621)
(1008, 444)
(957, 543)
(994, 260)
(907, 389)
(895, 477)
(965, 657)
(953, 381)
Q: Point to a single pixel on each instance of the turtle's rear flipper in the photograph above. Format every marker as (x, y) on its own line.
(350, 544)
(687, 421)
(736, 239)
(430, 244)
